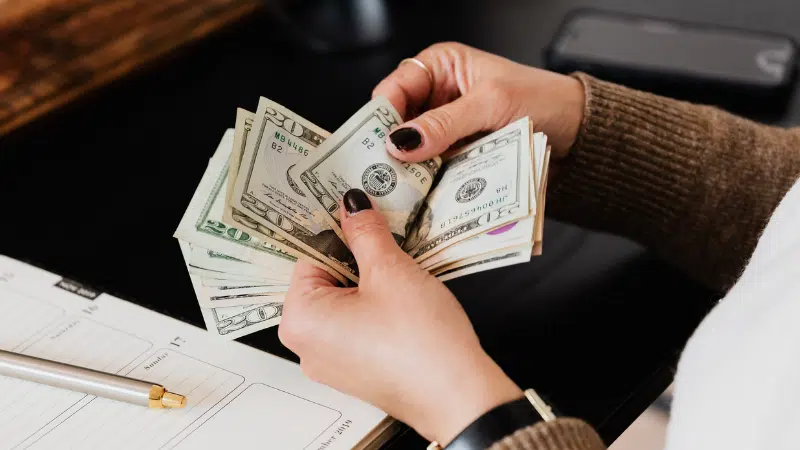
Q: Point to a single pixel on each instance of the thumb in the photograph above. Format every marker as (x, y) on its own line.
(436, 130)
(306, 277)
(367, 233)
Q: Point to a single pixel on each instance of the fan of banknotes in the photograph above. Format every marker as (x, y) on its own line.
(272, 195)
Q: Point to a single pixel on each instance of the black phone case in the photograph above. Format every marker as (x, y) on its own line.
(734, 95)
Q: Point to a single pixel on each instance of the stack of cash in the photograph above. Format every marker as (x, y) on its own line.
(272, 195)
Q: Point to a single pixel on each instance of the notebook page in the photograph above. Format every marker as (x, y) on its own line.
(237, 397)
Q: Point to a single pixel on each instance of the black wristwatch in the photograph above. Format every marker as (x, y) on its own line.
(500, 422)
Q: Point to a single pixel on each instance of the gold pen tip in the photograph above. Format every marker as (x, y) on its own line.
(171, 400)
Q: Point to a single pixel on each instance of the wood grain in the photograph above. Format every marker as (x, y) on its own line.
(54, 51)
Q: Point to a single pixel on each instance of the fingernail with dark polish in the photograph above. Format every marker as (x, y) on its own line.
(406, 138)
(356, 200)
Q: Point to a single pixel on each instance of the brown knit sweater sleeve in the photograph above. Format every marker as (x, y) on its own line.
(693, 183)
(560, 434)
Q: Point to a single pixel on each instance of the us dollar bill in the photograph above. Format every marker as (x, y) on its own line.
(267, 196)
(212, 260)
(236, 321)
(520, 233)
(355, 156)
(245, 120)
(202, 223)
(224, 277)
(228, 290)
(483, 186)
(480, 263)
(509, 243)
(228, 300)
(538, 232)
(216, 282)
(231, 322)
(514, 234)
(242, 128)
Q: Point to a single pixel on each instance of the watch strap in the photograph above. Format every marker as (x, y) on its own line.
(500, 422)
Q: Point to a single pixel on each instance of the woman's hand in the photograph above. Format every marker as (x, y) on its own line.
(473, 91)
(400, 340)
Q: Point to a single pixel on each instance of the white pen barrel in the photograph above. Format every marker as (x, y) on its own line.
(75, 378)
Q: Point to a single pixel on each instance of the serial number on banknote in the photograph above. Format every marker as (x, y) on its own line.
(370, 143)
(479, 209)
(282, 144)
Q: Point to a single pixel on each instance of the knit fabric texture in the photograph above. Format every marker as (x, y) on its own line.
(560, 434)
(693, 183)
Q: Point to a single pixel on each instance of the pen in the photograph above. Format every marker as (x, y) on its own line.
(88, 381)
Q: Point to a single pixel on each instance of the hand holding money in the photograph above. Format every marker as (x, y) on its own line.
(464, 91)
(398, 306)
(272, 195)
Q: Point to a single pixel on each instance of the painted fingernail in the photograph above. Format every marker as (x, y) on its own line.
(355, 200)
(406, 139)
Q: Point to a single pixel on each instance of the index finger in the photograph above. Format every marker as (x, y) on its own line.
(409, 87)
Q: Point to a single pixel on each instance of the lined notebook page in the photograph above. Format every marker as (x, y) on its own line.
(237, 397)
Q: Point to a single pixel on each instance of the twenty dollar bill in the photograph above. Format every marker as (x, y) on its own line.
(355, 156)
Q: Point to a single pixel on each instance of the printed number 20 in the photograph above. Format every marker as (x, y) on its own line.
(219, 228)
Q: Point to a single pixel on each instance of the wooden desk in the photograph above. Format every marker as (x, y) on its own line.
(52, 51)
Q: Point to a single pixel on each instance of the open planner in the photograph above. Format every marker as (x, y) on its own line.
(237, 397)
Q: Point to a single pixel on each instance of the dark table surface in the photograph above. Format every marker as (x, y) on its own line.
(96, 190)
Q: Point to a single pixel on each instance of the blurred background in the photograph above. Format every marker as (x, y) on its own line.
(52, 51)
